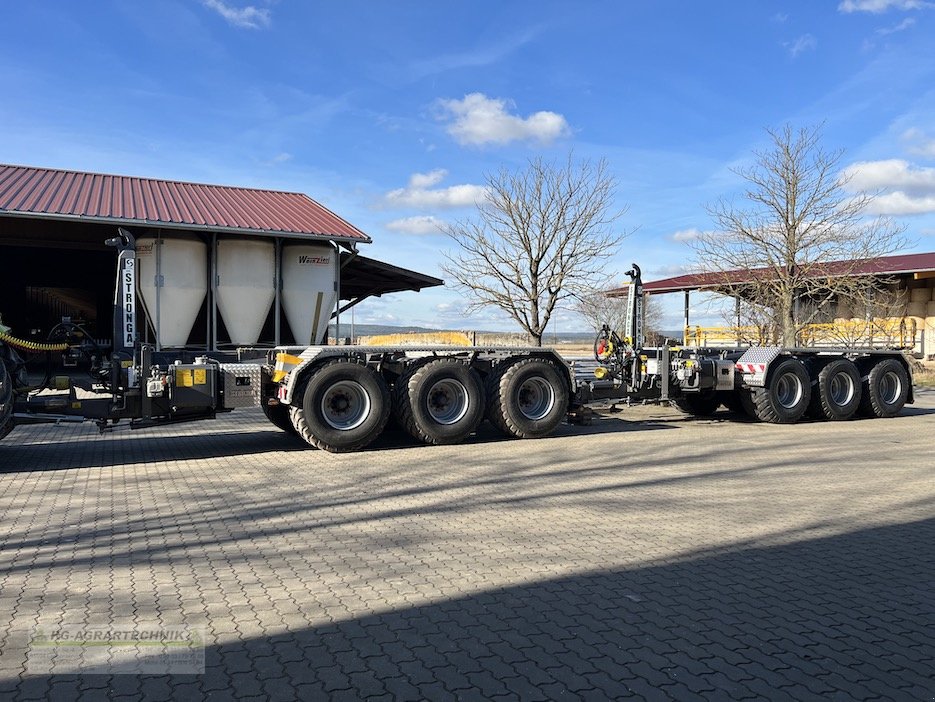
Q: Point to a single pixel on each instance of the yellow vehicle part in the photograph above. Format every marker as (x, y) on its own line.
(30, 345)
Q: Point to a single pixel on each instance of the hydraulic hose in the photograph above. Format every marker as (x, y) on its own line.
(24, 345)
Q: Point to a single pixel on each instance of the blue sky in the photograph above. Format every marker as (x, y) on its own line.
(391, 113)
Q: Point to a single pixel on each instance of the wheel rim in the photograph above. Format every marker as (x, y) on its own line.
(345, 405)
(447, 401)
(789, 390)
(536, 398)
(891, 387)
(842, 389)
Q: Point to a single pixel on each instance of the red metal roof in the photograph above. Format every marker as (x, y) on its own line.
(884, 265)
(58, 194)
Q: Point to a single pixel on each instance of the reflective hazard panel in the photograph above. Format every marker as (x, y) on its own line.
(285, 363)
(755, 363)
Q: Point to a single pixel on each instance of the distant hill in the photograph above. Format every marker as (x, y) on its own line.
(570, 337)
(379, 329)
(375, 329)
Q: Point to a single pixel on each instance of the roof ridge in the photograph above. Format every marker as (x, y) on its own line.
(35, 191)
(149, 178)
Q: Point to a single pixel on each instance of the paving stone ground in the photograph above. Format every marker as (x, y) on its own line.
(648, 556)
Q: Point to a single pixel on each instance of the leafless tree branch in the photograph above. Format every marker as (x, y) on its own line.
(542, 236)
(798, 236)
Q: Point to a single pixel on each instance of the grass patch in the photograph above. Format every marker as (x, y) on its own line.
(923, 374)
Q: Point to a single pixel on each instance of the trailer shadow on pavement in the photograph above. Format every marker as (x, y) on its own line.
(85, 449)
(79, 446)
(397, 438)
(841, 616)
(915, 411)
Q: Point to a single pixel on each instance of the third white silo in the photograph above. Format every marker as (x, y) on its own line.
(173, 283)
(309, 274)
(246, 271)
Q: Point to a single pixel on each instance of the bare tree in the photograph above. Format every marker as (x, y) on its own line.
(799, 236)
(874, 315)
(542, 236)
(598, 309)
(753, 323)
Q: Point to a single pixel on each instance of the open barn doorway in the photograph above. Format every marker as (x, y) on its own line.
(49, 271)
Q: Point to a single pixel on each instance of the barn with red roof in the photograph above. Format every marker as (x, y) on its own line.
(54, 261)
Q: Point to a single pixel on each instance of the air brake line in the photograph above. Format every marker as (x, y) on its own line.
(24, 345)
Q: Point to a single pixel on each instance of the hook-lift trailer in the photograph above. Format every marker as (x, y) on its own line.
(339, 398)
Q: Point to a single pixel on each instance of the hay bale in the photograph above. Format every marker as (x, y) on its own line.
(920, 295)
(917, 309)
(929, 330)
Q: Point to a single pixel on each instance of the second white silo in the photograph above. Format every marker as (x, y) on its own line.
(309, 274)
(173, 283)
(246, 271)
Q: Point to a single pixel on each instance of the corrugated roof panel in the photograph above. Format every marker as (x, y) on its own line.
(883, 265)
(127, 200)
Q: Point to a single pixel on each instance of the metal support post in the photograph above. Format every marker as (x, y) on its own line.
(213, 299)
(337, 297)
(158, 284)
(737, 318)
(277, 305)
(685, 327)
(664, 370)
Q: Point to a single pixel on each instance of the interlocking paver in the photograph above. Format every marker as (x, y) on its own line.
(665, 559)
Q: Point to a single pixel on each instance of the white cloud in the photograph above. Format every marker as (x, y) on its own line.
(421, 181)
(878, 6)
(418, 193)
(905, 24)
(670, 270)
(892, 173)
(420, 224)
(450, 311)
(477, 57)
(909, 189)
(281, 157)
(918, 142)
(249, 17)
(478, 119)
(686, 234)
(899, 203)
(804, 43)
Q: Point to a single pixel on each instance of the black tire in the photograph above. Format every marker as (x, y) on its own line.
(279, 416)
(342, 405)
(527, 398)
(698, 404)
(732, 401)
(885, 390)
(837, 395)
(439, 402)
(786, 395)
(747, 403)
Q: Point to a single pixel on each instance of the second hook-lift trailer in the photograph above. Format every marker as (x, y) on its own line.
(340, 398)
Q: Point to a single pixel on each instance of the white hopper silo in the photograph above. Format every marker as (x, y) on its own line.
(173, 282)
(246, 271)
(309, 274)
